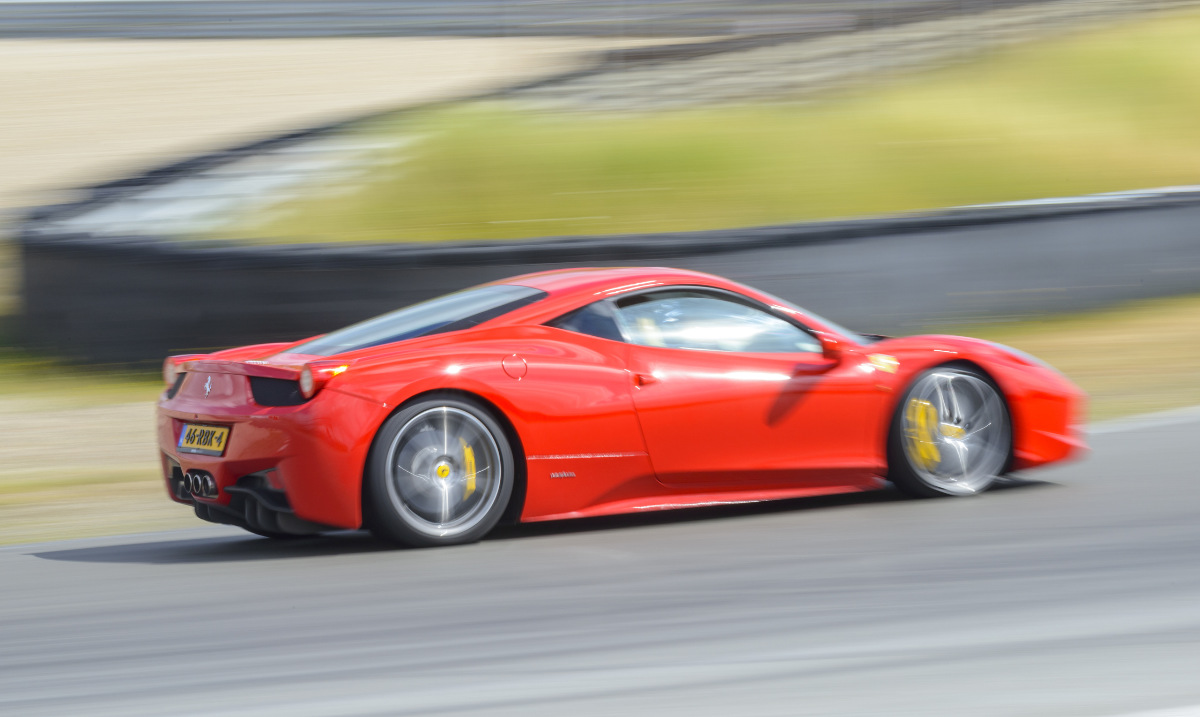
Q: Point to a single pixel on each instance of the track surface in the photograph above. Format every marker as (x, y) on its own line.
(1077, 593)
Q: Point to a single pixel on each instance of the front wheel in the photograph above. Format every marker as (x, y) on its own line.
(951, 434)
(441, 473)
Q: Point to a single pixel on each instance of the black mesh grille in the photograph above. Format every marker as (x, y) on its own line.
(276, 391)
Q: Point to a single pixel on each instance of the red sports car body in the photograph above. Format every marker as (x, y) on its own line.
(591, 392)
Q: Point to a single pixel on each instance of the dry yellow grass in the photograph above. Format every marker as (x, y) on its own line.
(1140, 358)
(75, 464)
(71, 512)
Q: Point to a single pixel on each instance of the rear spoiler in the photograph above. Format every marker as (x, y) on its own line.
(242, 368)
(311, 372)
(244, 360)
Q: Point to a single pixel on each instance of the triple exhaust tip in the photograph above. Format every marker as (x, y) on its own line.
(200, 484)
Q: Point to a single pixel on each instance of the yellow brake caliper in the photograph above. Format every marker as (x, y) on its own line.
(921, 419)
(469, 464)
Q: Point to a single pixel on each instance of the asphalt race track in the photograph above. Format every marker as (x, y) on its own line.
(1074, 592)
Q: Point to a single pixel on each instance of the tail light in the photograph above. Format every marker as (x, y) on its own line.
(174, 365)
(314, 376)
(170, 371)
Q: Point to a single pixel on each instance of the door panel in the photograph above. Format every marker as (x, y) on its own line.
(738, 419)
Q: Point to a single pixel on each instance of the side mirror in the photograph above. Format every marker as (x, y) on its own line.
(831, 346)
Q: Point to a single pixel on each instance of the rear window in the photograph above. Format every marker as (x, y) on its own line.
(452, 312)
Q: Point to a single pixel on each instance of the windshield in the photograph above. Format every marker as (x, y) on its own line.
(452, 312)
(852, 335)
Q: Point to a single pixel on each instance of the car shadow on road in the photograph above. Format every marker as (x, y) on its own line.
(692, 515)
(887, 494)
(235, 548)
(223, 549)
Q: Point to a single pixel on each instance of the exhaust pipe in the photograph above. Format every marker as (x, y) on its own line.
(201, 484)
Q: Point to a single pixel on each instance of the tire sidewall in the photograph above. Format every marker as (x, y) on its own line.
(380, 514)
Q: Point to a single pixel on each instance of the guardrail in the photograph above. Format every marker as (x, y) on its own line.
(122, 299)
(481, 18)
(133, 299)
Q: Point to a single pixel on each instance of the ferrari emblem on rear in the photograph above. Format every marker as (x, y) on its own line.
(207, 386)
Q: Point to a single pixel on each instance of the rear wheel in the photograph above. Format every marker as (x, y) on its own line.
(951, 434)
(441, 473)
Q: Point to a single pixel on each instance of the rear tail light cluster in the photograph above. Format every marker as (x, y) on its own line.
(267, 391)
(170, 371)
(174, 366)
(314, 376)
(308, 383)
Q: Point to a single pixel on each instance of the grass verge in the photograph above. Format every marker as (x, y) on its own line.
(80, 457)
(1139, 358)
(1097, 111)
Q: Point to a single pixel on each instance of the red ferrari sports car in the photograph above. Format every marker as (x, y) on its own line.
(591, 392)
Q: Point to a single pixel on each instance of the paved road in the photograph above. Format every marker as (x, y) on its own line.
(308, 18)
(1075, 593)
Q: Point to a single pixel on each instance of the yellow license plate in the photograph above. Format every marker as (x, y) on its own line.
(207, 440)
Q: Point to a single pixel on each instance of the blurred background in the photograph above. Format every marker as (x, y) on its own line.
(137, 137)
(186, 175)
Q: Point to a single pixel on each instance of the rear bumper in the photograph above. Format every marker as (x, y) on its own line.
(302, 461)
(251, 503)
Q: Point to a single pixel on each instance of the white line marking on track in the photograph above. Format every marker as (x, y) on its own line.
(1191, 711)
(1159, 419)
(1103, 197)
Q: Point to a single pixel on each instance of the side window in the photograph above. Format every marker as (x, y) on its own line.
(689, 319)
(594, 320)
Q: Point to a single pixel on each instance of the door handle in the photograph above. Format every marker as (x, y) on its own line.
(808, 368)
(644, 379)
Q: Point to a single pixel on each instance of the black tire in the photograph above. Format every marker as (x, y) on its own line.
(423, 486)
(977, 439)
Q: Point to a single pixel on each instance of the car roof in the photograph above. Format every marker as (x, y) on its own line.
(563, 283)
(571, 288)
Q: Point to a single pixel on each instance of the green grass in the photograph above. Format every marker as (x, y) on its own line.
(1098, 111)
